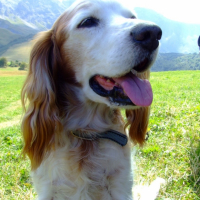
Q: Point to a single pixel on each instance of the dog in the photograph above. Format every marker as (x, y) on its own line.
(94, 61)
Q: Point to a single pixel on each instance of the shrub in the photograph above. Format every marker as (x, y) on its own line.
(3, 62)
(23, 66)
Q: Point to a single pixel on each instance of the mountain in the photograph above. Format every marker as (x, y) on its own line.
(40, 14)
(11, 34)
(20, 20)
(176, 61)
(177, 36)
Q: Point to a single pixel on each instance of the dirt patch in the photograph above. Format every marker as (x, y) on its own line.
(14, 120)
(13, 73)
(9, 123)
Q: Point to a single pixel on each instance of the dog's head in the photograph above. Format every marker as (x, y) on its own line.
(97, 51)
(109, 48)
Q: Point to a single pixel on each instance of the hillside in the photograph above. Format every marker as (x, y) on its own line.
(20, 20)
(40, 14)
(177, 61)
(7, 37)
(19, 28)
(9, 46)
(12, 34)
(18, 52)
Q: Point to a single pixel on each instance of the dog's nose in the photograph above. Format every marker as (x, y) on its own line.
(147, 35)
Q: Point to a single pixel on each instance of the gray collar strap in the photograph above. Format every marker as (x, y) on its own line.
(115, 136)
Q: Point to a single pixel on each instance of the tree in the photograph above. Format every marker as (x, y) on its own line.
(11, 64)
(23, 66)
(3, 62)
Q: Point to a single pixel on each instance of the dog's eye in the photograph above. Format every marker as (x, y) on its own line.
(89, 22)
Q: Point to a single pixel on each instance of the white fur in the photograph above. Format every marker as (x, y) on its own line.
(58, 177)
(107, 49)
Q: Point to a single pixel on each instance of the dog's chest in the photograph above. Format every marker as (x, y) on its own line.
(105, 158)
(94, 171)
(105, 161)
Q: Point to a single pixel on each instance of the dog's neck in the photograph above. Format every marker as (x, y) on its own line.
(112, 135)
(79, 113)
(95, 117)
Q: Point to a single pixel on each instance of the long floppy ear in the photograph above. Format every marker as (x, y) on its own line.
(138, 120)
(40, 124)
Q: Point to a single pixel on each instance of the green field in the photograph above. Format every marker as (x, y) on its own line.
(172, 151)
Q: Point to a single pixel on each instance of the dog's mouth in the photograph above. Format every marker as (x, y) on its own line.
(125, 90)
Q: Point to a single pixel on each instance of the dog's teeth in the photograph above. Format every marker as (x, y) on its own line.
(108, 80)
(101, 76)
(134, 72)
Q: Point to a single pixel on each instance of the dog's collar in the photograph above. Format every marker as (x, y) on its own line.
(115, 136)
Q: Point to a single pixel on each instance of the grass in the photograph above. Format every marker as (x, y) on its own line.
(10, 106)
(172, 151)
(14, 171)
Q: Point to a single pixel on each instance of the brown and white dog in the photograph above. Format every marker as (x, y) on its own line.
(94, 61)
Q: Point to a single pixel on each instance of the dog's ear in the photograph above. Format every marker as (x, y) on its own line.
(41, 121)
(138, 120)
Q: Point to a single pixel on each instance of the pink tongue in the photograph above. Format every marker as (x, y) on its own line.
(139, 91)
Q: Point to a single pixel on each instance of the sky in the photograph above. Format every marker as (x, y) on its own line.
(187, 11)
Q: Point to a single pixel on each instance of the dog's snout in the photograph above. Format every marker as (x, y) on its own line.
(147, 35)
